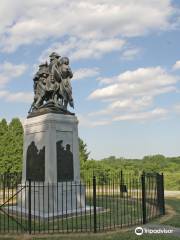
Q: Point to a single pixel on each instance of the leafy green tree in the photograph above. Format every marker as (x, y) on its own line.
(11, 146)
(11, 150)
(16, 142)
(83, 152)
(3, 144)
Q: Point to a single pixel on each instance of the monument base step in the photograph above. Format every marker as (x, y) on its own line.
(15, 210)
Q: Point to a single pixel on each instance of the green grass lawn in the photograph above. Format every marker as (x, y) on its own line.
(175, 204)
(125, 234)
(112, 212)
(105, 236)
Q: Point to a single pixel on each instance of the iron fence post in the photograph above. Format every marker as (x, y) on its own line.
(163, 200)
(158, 184)
(160, 193)
(121, 184)
(94, 204)
(143, 197)
(4, 187)
(29, 207)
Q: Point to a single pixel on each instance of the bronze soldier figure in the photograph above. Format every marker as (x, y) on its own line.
(52, 86)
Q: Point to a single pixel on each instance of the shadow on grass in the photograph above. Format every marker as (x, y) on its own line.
(172, 218)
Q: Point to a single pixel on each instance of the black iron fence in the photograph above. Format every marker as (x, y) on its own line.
(93, 205)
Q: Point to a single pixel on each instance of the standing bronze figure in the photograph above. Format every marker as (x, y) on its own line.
(52, 87)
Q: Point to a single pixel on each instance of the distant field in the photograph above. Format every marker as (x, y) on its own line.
(170, 166)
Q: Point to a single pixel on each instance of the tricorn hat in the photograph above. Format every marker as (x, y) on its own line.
(54, 54)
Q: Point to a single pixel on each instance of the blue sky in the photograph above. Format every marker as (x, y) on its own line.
(125, 56)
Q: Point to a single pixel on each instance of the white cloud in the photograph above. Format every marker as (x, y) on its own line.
(85, 121)
(23, 97)
(31, 21)
(77, 48)
(176, 66)
(143, 81)
(20, 97)
(131, 95)
(121, 105)
(85, 73)
(130, 54)
(9, 71)
(157, 113)
(3, 93)
(177, 108)
(140, 116)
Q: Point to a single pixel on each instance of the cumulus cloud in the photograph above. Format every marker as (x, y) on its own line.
(131, 95)
(130, 54)
(32, 21)
(84, 121)
(3, 93)
(140, 116)
(143, 81)
(9, 71)
(77, 48)
(177, 108)
(176, 66)
(23, 97)
(85, 73)
(121, 105)
(157, 113)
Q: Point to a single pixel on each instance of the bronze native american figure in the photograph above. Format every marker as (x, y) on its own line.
(52, 87)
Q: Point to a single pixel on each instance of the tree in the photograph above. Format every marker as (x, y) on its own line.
(11, 146)
(3, 143)
(16, 142)
(83, 152)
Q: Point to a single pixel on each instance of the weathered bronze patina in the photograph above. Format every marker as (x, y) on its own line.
(65, 169)
(52, 87)
(35, 163)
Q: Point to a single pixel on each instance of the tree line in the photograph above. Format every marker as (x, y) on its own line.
(11, 154)
(112, 166)
(11, 147)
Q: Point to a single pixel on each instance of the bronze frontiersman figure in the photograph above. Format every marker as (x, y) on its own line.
(52, 85)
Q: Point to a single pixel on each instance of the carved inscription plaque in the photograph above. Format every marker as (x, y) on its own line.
(35, 163)
(65, 169)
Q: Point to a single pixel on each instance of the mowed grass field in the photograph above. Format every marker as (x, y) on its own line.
(172, 218)
(122, 212)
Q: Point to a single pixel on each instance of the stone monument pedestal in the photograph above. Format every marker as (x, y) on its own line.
(51, 162)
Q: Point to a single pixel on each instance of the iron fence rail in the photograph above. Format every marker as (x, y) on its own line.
(92, 205)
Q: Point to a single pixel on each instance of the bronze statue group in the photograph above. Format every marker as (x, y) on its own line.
(52, 86)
